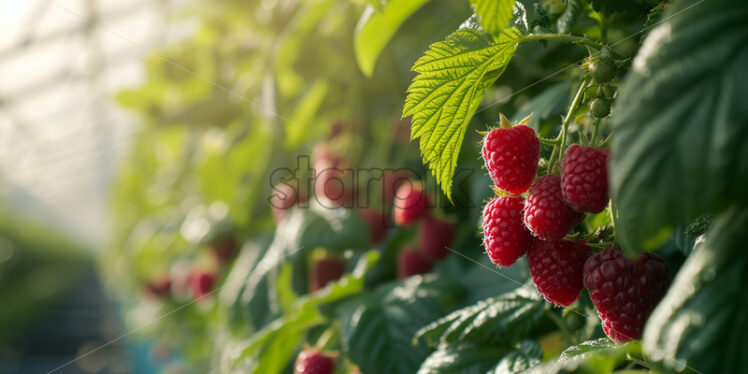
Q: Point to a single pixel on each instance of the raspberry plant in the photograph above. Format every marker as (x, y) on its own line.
(603, 233)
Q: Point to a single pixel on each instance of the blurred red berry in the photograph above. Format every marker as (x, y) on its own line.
(411, 203)
(434, 236)
(324, 271)
(377, 223)
(314, 362)
(412, 262)
(159, 287)
(202, 283)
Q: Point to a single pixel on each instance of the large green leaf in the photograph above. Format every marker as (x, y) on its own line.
(462, 358)
(570, 14)
(377, 330)
(703, 318)
(599, 356)
(680, 147)
(493, 15)
(375, 29)
(527, 355)
(500, 320)
(451, 79)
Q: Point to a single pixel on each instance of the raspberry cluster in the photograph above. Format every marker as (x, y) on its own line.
(533, 214)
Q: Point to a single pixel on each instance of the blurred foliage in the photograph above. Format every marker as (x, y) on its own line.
(37, 265)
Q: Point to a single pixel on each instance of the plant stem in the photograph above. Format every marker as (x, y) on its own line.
(595, 132)
(565, 332)
(326, 337)
(565, 125)
(548, 141)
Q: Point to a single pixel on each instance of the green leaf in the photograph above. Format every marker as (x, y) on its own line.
(377, 329)
(270, 349)
(375, 29)
(681, 123)
(451, 79)
(569, 16)
(596, 356)
(462, 358)
(301, 123)
(703, 318)
(527, 355)
(493, 15)
(500, 320)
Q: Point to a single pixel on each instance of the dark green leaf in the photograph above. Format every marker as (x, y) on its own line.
(597, 356)
(493, 15)
(681, 124)
(551, 102)
(527, 355)
(500, 320)
(703, 318)
(378, 329)
(463, 359)
(452, 78)
(566, 20)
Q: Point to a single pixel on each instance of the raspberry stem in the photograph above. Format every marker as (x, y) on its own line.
(558, 150)
(595, 132)
(565, 331)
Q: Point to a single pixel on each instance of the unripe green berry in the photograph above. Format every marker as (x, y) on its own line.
(600, 108)
(603, 69)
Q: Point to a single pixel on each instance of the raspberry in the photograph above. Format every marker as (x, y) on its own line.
(412, 262)
(324, 271)
(284, 197)
(334, 183)
(159, 287)
(313, 362)
(584, 178)
(546, 213)
(201, 283)
(434, 237)
(624, 291)
(411, 203)
(377, 225)
(557, 269)
(391, 181)
(504, 235)
(511, 156)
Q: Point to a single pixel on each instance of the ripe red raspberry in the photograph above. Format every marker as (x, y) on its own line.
(159, 288)
(584, 178)
(546, 213)
(557, 269)
(411, 203)
(201, 283)
(624, 291)
(313, 362)
(412, 262)
(324, 271)
(377, 222)
(434, 236)
(511, 156)
(504, 235)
